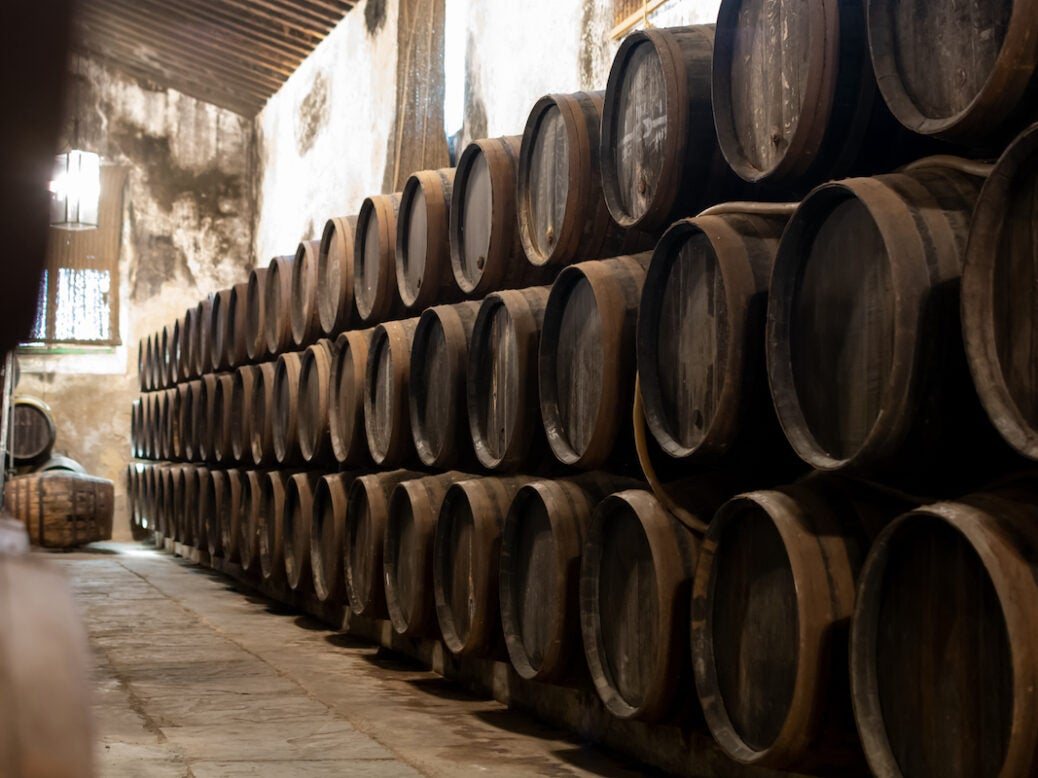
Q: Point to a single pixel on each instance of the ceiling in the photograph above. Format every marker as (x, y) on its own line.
(232, 53)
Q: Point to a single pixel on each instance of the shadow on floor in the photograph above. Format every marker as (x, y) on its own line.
(590, 758)
(446, 689)
(391, 660)
(346, 640)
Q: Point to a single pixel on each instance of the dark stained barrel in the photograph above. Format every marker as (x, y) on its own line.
(164, 427)
(218, 324)
(202, 334)
(541, 545)
(263, 411)
(961, 72)
(562, 212)
(223, 412)
(466, 556)
(284, 424)
(315, 377)
(236, 332)
(772, 601)
(192, 408)
(660, 157)
(501, 378)
(701, 322)
(176, 351)
(205, 417)
(437, 400)
(212, 509)
(328, 525)
(299, 501)
(346, 400)
(255, 315)
(241, 413)
(387, 420)
(176, 418)
(32, 431)
(230, 516)
(423, 261)
(165, 362)
(198, 509)
(248, 525)
(366, 513)
(277, 305)
(335, 304)
(187, 345)
(999, 279)
(185, 504)
(270, 522)
(407, 552)
(864, 338)
(586, 360)
(943, 670)
(303, 313)
(142, 364)
(374, 269)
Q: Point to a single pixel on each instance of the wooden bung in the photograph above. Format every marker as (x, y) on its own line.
(423, 266)
(335, 305)
(374, 274)
(387, 420)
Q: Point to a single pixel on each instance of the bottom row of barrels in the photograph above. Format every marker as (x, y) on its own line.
(933, 609)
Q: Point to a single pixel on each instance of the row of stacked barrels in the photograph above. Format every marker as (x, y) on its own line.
(756, 339)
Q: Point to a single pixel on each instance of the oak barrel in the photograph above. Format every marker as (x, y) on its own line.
(205, 417)
(185, 503)
(335, 305)
(59, 462)
(256, 315)
(32, 430)
(270, 522)
(285, 421)
(61, 509)
(261, 424)
(303, 312)
(242, 413)
(315, 378)
(346, 400)
(299, 502)
(234, 482)
(277, 302)
(374, 270)
(218, 323)
(387, 420)
(203, 487)
(187, 345)
(165, 362)
(212, 509)
(176, 351)
(237, 331)
(326, 535)
(423, 262)
(202, 335)
(248, 524)
(191, 407)
(223, 413)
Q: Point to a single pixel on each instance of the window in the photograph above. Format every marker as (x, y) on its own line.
(79, 291)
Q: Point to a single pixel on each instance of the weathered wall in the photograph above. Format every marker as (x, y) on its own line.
(188, 218)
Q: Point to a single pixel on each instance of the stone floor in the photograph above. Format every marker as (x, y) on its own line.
(197, 677)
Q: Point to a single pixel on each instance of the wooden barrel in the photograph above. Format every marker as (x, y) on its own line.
(186, 345)
(237, 330)
(303, 314)
(486, 254)
(61, 509)
(142, 364)
(562, 212)
(335, 304)
(387, 420)
(248, 524)
(968, 75)
(346, 400)
(223, 412)
(299, 502)
(176, 417)
(285, 426)
(149, 363)
(165, 360)
(660, 157)
(586, 360)
(270, 522)
(771, 607)
(943, 674)
(218, 325)
(423, 259)
(328, 522)
(635, 581)
(501, 379)
(366, 512)
(277, 301)
(374, 270)
(700, 345)
(241, 413)
(203, 487)
(541, 544)
(794, 97)
(999, 319)
(261, 424)
(191, 406)
(162, 448)
(47, 718)
(315, 377)
(407, 552)
(135, 429)
(256, 315)
(183, 432)
(183, 497)
(466, 555)
(205, 417)
(230, 517)
(176, 352)
(437, 400)
(212, 509)
(202, 334)
(864, 343)
(32, 430)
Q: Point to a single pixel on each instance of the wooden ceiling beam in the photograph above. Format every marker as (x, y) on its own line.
(281, 13)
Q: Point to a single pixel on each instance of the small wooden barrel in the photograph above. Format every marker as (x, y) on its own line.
(303, 314)
(241, 413)
(541, 544)
(256, 315)
(660, 158)
(299, 502)
(943, 670)
(248, 524)
(586, 359)
(437, 400)
(212, 509)
(202, 335)
(61, 509)
(374, 274)
(285, 427)
(315, 377)
(423, 261)
(700, 343)
(277, 301)
(635, 581)
(407, 552)
(864, 343)
(466, 554)
(772, 601)
(270, 522)
(223, 412)
(237, 329)
(500, 383)
(230, 517)
(32, 430)
(263, 410)
(562, 212)
(218, 325)
(346, 400)
(999, 318)
(335, 305)
(366, 512)
(967, 74)
(328, 523)
(387, 421)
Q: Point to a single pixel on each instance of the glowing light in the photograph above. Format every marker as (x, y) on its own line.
(75, 190)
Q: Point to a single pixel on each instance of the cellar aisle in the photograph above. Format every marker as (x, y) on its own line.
(195, 677)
